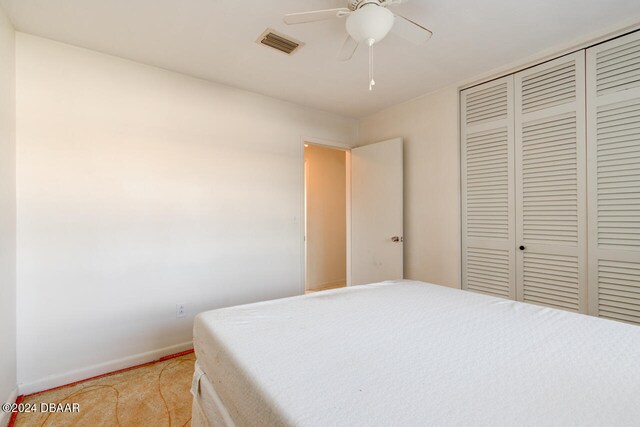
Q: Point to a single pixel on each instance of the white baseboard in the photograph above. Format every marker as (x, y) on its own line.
(6, 416)
(58, 380)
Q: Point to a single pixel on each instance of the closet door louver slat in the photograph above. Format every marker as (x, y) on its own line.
(613, 132)
(487, 189)
(550, 177)
(551, 280)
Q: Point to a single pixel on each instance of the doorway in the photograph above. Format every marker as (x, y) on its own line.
(326, 175)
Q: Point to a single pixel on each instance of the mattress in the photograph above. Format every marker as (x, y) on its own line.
(411, 353)
(207, 410)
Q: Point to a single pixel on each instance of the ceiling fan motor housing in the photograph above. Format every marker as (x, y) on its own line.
(369, 24)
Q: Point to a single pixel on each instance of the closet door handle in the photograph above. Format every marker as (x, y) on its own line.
(521, 248)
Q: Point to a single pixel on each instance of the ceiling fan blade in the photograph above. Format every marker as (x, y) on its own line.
(348, 49)
(316, 15)
(409, 30)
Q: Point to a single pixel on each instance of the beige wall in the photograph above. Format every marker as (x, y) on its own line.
(7, 214)
(139, 189)
(429, 127)
(326, 217)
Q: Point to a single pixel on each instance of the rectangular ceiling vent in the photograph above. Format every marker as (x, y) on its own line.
(279, 41)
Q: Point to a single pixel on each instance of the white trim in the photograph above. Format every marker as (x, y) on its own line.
(58, 380)
(348, 205)
(326, 143)
(303, 219)
(6, 416)
(305, 230)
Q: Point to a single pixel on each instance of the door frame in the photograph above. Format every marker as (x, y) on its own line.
(336, 146)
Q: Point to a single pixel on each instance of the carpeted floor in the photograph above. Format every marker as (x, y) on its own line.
(152, 395)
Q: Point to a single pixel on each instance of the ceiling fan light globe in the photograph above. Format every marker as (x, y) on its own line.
(370, 22)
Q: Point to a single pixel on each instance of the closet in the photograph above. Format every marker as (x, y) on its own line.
(551, 183)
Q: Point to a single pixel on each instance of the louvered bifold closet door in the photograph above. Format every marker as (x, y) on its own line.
(487, 189)
(613, 132)
(551, 184)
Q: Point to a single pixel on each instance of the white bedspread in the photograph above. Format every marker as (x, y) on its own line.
(416, 354)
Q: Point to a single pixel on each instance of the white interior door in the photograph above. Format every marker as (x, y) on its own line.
(488, 246)
(551, 184)
(377, 212)
(613, 135)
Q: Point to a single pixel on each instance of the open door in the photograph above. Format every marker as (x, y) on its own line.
(377, 212)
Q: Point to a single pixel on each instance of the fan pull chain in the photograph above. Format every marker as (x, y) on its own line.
(372, 82)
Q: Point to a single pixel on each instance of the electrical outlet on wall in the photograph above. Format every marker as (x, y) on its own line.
(181, 310)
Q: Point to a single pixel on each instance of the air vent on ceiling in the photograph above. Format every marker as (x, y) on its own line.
(279, 41)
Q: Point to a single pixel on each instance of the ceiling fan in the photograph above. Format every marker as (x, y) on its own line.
(368, 22)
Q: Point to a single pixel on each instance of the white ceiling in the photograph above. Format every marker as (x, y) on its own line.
(215, 40)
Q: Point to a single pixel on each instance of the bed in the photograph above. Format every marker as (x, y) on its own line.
(410, 353)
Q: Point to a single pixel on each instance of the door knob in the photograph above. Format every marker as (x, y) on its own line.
(521, 248)
(397, 239)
